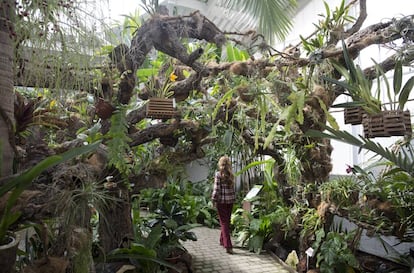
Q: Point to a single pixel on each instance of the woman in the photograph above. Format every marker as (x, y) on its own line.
(223, 197)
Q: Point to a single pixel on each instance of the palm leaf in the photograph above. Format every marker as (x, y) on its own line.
(274, 16)
(400, 159)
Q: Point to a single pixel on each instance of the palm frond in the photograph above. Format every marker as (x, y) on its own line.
(400, 159)
(275, 16)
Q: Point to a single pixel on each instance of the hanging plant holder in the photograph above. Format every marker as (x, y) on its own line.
(353, 115)
(397, 123)
(161, 108)
(104, 109)
(387, 123)
(373, 125)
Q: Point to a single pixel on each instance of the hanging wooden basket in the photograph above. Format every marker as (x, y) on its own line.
(398, 123)
(161, 108)
(104, 109)
(353, 115)
(387, 123)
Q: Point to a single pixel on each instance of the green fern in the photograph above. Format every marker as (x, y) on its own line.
(118, 143)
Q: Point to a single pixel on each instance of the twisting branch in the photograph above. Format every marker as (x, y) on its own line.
(165, 34)
(361, 18)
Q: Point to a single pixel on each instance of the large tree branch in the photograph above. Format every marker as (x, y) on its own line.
(361, 18)
(165, 34)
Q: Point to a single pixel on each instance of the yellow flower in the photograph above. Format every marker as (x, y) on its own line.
(52, 103)
(173, 77)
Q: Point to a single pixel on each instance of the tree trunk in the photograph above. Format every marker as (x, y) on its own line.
(115, 226)
(6, 87)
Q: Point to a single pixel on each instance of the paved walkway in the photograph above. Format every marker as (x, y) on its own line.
(210, 257)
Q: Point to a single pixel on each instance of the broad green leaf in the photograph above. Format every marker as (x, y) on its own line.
(256, 243)
(186, 73)
(341, 69)
(228, 138)
(331, 120)
(349, 62)
(397, 77)
(300, 104)
(350, 104)
(328, 13)
(220, 103)
(381, 73)
(342, 84)
(235, 54)
(405, 93)
(254, 164)
(154, 236)
(263, 112)
(144, 73)
(271, 136)
(230, 53)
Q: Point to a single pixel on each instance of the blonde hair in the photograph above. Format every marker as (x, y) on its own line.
(226, 173)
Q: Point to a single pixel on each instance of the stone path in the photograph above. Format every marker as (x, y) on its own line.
(210, 257)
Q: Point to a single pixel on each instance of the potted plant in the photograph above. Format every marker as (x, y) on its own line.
(392, 120)
(358, 87)
(160, 105)
(12, 189)
(377, 120)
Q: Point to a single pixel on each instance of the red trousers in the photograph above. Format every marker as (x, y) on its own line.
(224, 213)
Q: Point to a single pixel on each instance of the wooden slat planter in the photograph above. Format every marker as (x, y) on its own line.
(397, 123)
(160, 108)
(387, 123)
(353, 115)
(373, 125)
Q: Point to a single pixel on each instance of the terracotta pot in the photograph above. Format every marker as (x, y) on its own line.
(8, 255)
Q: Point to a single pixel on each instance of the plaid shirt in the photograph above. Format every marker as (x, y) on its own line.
(222, 192)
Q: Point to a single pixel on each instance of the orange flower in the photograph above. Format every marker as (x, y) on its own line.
(173, 77)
